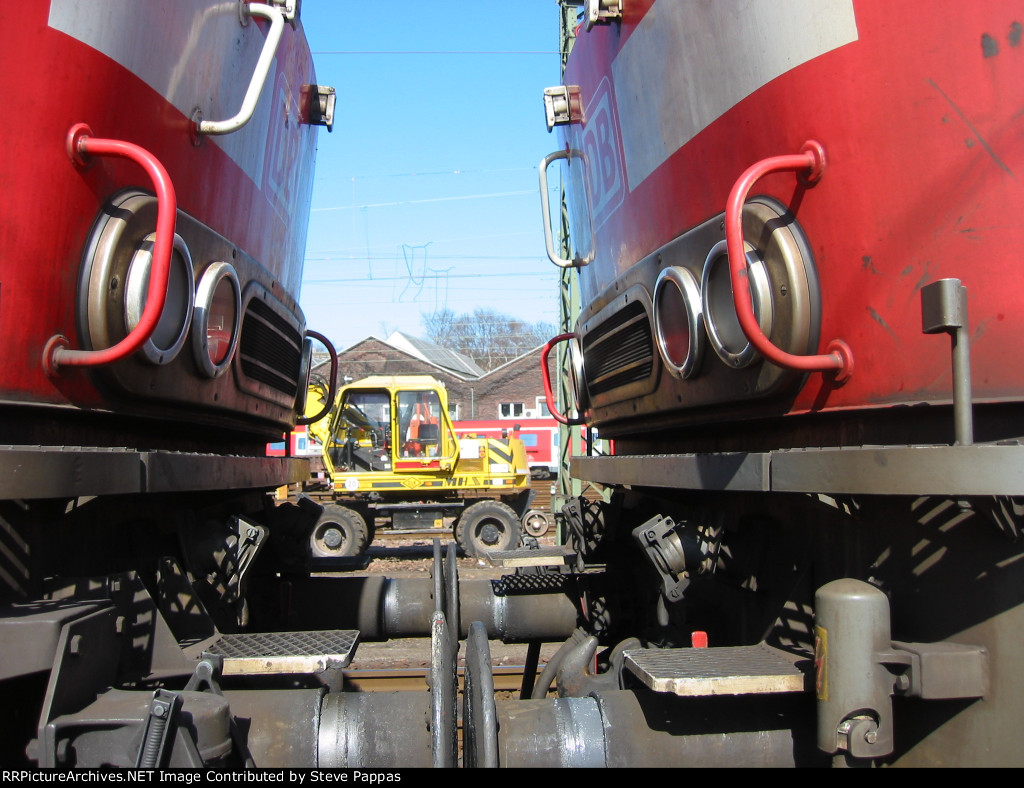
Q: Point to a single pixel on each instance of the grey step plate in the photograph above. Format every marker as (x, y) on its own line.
(545, 556)
(285, 652)
(738, 670)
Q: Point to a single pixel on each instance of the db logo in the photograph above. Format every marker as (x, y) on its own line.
(602, 150)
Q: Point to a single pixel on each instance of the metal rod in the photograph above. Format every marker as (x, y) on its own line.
(530, 669)
(944, 311)
(963, 419)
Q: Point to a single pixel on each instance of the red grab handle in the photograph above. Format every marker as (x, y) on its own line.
(82, 144)
(547, 382)
(840, 357)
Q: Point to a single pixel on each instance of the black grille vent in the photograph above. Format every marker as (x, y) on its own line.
(620, 351)
(270, 348)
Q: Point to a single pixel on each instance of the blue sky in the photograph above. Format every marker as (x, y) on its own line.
(426, 194)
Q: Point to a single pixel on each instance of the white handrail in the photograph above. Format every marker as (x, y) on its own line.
(277, 19)
(545, 207)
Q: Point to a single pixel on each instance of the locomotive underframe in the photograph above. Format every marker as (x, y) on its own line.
(97, 655)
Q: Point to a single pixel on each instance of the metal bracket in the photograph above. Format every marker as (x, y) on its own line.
(208, 672)
(320, 111)
(250, 539)
(573, 514)
(86, 660)
(289, 8)
(603, 12)
(562, 105)
(598, 12)
(939, 671)
(576, 679)
(672, 554)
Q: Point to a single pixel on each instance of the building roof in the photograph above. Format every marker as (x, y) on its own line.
(436, 355)
(517, 360)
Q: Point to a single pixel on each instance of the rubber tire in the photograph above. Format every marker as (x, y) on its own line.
(488, 525)
(536, 523)
(340, 521)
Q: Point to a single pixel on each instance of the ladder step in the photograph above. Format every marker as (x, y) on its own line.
(544, 556)
(734, 670)
(285, 652)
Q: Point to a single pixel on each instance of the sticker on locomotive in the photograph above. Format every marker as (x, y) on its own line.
(602, 146)
(821, 663)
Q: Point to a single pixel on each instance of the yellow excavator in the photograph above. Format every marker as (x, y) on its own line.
(393, 460)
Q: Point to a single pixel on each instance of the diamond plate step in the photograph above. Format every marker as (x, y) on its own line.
(544, 556)
(734, 670)
(285, 652)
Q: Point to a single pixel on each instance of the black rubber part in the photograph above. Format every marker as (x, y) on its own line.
(346, 526)
(488, 525)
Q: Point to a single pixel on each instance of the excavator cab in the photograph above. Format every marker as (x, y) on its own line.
(419, 420)
(360, 436)
(391, 427)
(428, 440)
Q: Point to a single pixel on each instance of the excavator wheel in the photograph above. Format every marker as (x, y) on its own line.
(488, 525)
(339, 533)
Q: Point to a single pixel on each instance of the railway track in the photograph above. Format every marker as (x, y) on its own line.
(508, 680)
(403, 664)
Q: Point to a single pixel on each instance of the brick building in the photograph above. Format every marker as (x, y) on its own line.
(512, 391)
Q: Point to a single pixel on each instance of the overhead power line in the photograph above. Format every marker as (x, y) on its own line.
(461, 171)
(403, 277)
(457, 299)
(551, 52)
(431, 199)
(345, 256)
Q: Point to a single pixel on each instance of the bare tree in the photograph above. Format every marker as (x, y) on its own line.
(488, 337)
